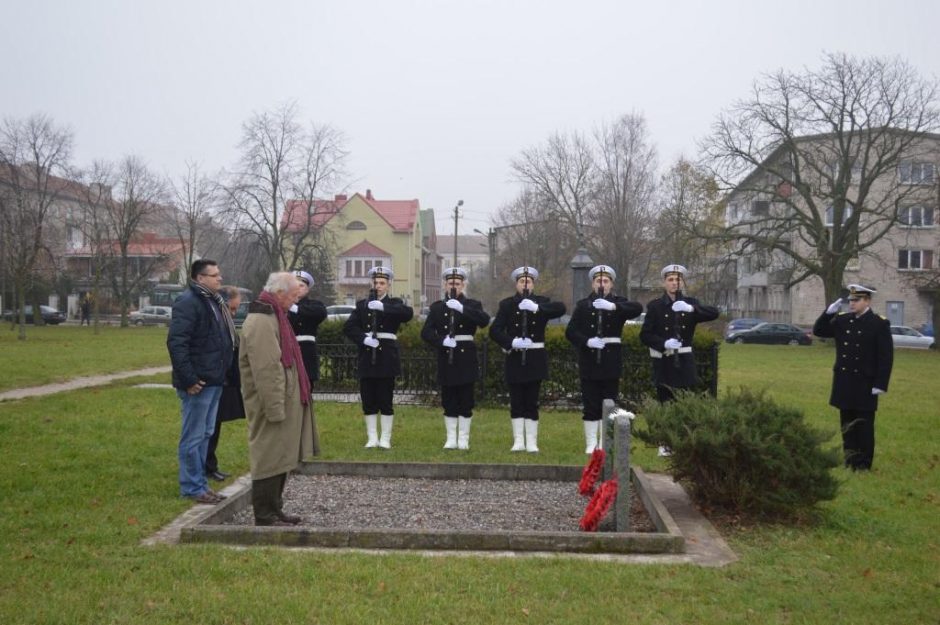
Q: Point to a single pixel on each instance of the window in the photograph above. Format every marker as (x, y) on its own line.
(916, 172)
(358, 266)
(916, 216)
(760, 207)
(368, 266)
(856, 174)
(356, 225)
(349, 267)
(846, 214)
(915, 259)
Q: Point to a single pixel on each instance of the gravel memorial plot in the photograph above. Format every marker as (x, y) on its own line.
(352, 502)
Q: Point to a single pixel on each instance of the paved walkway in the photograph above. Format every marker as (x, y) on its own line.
(77, 383)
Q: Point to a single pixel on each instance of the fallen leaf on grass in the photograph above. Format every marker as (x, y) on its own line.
(868, 573)
(132, 520)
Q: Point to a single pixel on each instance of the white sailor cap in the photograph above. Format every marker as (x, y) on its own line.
(603, 270)
(857, 290)
(382, 272)
(451, 272)
(303, 275)
(532, 272)
(668, 269)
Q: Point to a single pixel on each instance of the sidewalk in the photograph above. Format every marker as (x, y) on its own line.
(77, 383)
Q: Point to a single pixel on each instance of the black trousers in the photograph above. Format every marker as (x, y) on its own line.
(376, 395)
(593, 394)
(458, 400)
(524, 400)
(858, 438)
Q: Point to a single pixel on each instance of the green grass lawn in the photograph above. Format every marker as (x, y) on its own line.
(86, 475)
(56, 353)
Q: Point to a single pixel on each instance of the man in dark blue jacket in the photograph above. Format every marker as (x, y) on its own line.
(201, 341)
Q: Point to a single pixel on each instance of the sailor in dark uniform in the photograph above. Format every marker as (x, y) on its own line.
(864, 356)
(305, 318)
(449, 329)
(519, 328)
(668, 331)
(595, 331)
(372, 326)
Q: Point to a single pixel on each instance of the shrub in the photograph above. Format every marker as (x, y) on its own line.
(743, 453)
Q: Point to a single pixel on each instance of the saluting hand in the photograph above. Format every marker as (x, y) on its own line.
(834, 307)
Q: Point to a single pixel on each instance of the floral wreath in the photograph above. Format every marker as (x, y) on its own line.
(599, 505)
(591, 472)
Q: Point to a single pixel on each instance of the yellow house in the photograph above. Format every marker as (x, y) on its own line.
(367, 233)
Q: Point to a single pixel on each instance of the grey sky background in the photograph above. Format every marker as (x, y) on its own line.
(435, 97)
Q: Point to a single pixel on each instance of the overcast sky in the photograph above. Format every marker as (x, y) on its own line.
(435, 97)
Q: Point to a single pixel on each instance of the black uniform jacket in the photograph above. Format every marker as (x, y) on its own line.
(387, 359)
(310, 314)
(508, 325)
(663, 323)
(864, 356)
(464, 368)
(583, 325)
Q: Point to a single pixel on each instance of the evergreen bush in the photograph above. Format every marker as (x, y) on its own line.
(743, 453)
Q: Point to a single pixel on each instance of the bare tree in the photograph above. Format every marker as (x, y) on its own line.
(195, 196)
(284, 165)
(137, 201)
(820, 156)
(562, 175)
(34, 152)
(624, 207)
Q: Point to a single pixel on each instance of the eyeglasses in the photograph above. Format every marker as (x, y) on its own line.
(211, 275)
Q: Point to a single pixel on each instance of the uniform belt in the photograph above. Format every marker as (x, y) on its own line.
(463, 337)
(610, 339)
(306, 337)
(534, 346)
(669, 352)
(386, 335)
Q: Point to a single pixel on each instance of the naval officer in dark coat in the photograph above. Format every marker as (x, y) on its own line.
(668, 330)
(519, 328)
(305, 318)
(595, 331)
(450, 329)
(372, 326)
(864, 356)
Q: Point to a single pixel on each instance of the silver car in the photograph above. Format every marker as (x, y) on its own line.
(904, 336)
(151, 315)
(339, 312)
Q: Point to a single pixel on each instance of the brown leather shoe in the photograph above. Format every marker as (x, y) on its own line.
(219, 496)
(205, 498)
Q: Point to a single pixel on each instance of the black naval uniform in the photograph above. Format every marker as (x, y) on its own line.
(377, 382)
(456, 378)
(524, 380)
(599, 381)
(864, 356)
(663, 323)
(310, 314)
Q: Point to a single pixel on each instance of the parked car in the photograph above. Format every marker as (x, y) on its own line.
(904, 336)
(239, 317)
(50, 315)
(927, 329)
(339, 312)
(637, 321)
(772, 334)
(151, 316)
(745, 323)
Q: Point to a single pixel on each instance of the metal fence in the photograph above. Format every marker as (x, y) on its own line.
(418, 380)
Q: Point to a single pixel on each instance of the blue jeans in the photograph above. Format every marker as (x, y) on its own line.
(199, 413)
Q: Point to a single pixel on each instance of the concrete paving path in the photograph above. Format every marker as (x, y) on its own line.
(77, 383)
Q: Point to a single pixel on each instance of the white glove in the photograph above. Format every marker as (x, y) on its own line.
(680, 306)
(877, 391)
(673, 343)
(293, 308)
(521, 343)
(529, 305)
(454, 304)
(602, 304)
(834, 307)
(449, 341)
(370, 342)
(376, 305)
(596, 343)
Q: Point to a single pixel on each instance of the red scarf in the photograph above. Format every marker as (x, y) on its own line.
(290, 349)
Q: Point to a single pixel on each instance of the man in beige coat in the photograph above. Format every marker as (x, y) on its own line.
(276, 390)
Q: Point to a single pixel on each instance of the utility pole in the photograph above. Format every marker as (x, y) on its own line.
(456, 216)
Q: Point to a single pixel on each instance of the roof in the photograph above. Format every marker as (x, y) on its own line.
(147, 244)
(365, 249)
(59, 187)
(401, 215)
